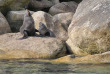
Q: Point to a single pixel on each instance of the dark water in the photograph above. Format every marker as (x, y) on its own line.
(36, 67)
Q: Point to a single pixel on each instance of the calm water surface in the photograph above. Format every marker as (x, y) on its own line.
(36, 67)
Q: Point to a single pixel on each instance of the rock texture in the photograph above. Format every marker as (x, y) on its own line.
(58, 24)
(4, 26)
(89, 31)
(61, 23)
(32, 47)
(63, 7)
(43, 17)
(78, 1)
(40, 4)
(90, 59)
(15, 19)
(55, 1)
(7, 5)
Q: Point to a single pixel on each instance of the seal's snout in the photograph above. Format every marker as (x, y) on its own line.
(27, 12)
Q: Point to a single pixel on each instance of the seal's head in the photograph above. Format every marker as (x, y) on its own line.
(28, 13)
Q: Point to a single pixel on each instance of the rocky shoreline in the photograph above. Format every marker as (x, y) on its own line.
(82, 31)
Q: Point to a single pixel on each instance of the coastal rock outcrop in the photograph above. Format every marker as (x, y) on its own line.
(89, 31)
(90, 59)
(32, 47)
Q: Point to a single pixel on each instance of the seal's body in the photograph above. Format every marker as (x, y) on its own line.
(44, 31)
(28, 28)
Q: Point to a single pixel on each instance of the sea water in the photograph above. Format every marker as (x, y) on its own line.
(30, 66)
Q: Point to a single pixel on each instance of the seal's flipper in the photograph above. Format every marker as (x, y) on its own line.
(47, 34)
(36, 30)
(25, 35)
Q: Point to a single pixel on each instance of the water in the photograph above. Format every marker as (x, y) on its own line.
(35, 67)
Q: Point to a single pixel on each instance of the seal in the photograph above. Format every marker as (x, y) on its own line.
(44, 31)
(28, 27)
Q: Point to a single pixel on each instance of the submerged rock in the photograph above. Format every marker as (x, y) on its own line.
(89, 31)
(32, 47)
(4, 26)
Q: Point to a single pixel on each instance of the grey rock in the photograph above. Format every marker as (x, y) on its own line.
(4, 26)
(32, 47)
(63, 7)
(89, 31)
(61, 24)
(7, 5)
(15, 19)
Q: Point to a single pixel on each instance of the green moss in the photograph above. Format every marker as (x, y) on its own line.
(90, 47)
(99, 42)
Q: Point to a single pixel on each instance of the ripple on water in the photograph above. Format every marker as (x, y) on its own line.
(35, 67)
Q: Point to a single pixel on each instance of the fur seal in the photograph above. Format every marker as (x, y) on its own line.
(28, 28)
(44, 31)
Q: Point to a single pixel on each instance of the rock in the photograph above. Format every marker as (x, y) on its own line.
(78, 1)
(89, 31)
(4, 26)
(32, 47)
(61, 23)
(63, 7)
(43, 17)
(7, 5)
(58, 24)
(40, 4)
(90, 59)
(15, 19)
(55, 1)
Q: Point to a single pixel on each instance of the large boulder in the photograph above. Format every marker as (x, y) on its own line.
(15, 19)
(63, 7)
(6, 5)
(89, 31)
(32, 47)
(61, 23)
(4, 26)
